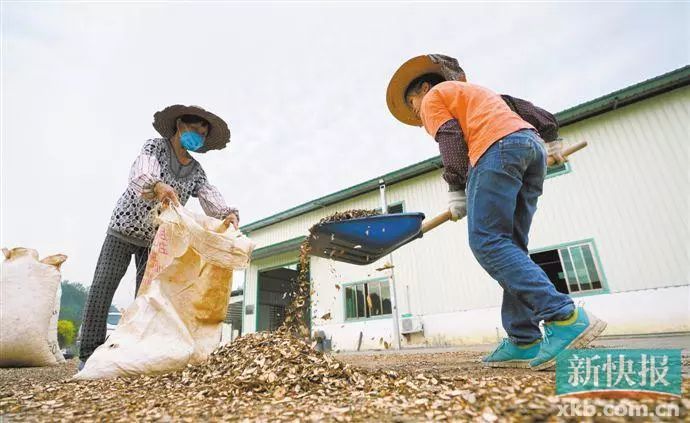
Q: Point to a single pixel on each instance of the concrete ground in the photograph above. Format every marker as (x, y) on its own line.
(468, 357)
(675, 340)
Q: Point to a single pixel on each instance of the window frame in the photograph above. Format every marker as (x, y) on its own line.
(568, 169)
(597, 264)
(343, 289)
(397, 203)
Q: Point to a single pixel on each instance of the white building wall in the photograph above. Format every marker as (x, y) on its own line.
(452, 268)
(628, 191)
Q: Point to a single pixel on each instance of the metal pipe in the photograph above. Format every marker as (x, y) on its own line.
(391, 275)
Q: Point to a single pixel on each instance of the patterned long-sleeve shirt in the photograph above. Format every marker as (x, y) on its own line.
(454, 150)
(131, 219)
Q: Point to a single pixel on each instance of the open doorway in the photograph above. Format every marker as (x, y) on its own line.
(274, 294)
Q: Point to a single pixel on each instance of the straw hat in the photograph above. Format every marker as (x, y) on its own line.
(444, 66)
(165, 122)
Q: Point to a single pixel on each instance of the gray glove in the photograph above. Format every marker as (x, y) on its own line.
(457, 204)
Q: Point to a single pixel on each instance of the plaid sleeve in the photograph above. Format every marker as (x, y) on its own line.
(146, 170)
(212, 201)
(545, 123)
(454, 154)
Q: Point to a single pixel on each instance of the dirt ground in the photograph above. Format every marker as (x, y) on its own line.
(483, 394)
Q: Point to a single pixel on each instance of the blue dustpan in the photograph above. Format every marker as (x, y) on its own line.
(365, 240)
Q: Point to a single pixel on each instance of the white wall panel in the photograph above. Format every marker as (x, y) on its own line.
(629, 191)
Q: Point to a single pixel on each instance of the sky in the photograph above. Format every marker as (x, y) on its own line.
(301, 85)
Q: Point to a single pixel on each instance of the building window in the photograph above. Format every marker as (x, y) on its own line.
(573, 268)
(556, 170)
(367, 299)
(393, 208)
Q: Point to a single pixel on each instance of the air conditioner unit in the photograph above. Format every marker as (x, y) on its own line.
(411, 324)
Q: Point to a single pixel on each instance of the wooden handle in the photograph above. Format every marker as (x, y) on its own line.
(568, 151)
(436, 221)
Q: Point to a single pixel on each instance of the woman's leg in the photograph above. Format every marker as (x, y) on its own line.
(111, 267)
(141, 256)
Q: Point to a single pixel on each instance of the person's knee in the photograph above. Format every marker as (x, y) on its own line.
(481, 247)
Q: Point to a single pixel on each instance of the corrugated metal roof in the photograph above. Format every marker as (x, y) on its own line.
(634, 93)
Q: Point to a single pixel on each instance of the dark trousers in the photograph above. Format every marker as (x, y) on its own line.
(112, 265)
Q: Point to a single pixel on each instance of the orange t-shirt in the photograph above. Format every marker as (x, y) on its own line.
(483, 115)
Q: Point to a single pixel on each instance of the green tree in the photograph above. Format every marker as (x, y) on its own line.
(72, 302)
(66, 333)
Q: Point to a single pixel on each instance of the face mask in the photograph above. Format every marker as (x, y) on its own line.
(191, 140)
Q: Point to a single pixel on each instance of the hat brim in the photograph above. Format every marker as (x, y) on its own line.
(165, 122)
(395, 95)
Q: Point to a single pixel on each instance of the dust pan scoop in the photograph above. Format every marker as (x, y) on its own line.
(364, 240)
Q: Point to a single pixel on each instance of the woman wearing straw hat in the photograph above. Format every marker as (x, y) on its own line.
(164, 171)
(495, 163)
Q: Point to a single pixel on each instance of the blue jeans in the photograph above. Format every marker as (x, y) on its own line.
(502, 192)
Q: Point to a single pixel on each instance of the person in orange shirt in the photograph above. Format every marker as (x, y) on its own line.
(495, 165)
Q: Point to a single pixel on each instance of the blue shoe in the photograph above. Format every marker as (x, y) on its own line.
(508, 354)
(81, 365)
(575, 332)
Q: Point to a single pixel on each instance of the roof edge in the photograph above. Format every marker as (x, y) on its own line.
(649, 88)
(353, 191)
(278, 248)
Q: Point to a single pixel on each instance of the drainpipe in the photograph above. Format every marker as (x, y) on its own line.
(391, 275)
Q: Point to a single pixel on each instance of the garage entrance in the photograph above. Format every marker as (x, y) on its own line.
(274, 294)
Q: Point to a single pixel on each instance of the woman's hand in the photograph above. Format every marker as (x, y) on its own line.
(231, 219)
(165, 193)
